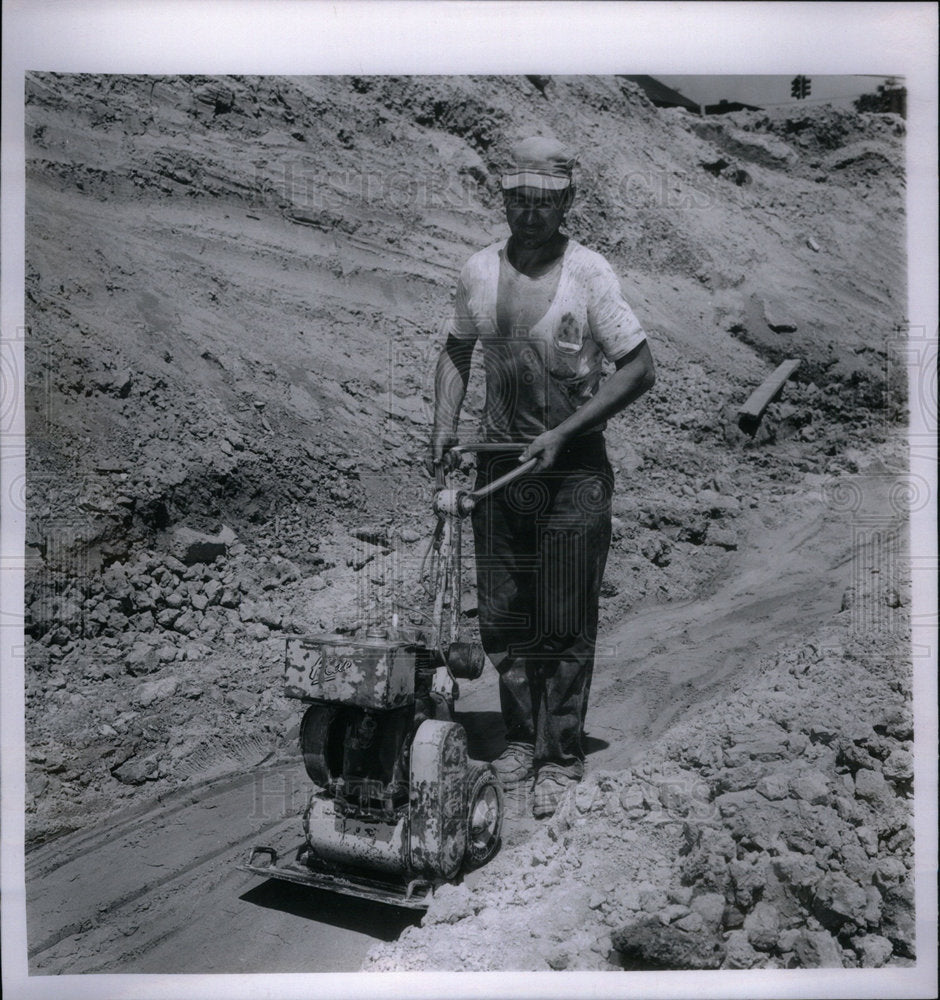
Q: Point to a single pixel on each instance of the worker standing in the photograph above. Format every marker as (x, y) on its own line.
(546, 311)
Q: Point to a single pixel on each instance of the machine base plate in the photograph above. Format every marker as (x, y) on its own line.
(414, 895)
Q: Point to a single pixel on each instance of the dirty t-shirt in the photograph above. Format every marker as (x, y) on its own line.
(544, 339)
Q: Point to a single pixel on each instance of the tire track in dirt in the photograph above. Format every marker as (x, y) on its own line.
(95, 905)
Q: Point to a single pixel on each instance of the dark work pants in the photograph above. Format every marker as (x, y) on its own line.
(541, 547)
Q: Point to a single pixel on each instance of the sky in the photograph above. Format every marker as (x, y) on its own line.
(772, 91)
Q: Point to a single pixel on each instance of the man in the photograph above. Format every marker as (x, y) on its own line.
(546, 311)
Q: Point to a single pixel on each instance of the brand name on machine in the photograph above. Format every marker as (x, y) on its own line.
(325, 668)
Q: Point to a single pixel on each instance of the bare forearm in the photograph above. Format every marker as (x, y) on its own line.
(614, 394)
(450, 387)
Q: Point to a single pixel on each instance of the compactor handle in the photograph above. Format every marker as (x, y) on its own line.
(462, 502)
(484, 446)
(451, 458)
(504, 480)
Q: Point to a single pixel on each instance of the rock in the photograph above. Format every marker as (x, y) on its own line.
(798, 870)
(559, 960)
(672, 912)
(449, 904)
(167, 617)
(268, 614)
(681, 894)
(898, 920)
(822, 732)
(762, 925)
(873, 950)
(36, 784)
(854, 757)
(852, 810)
(889, 871)
(710, 906)
(190, 688)
(897, 724)
(872, 787)
(156, 690)
(749, 877)
(873, 907)
(227, 535)
(692, 923)
(816, 950)
(725, 538)
(656, 549)
(137, 771)
(716, 504)
(144, 622)
(855, 861)
(787, 939)
(173, 565)
(409, 535)
(739, 953)
(651, 899)
(187, 623)
(868, 839)
(650, 945)
(243, 701)
(141, 659)
(811, 786)
(774, 786)
(176, 599)
(838, 899)
(632, 801)
(191, 547)
(899, 766)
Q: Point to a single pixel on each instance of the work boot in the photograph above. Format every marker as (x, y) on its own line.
(550, 786)
(514, 767)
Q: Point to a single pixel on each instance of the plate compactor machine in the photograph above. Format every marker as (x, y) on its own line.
(397, 806)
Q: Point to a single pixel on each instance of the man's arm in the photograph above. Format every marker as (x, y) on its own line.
(450, 387)
(634, 375)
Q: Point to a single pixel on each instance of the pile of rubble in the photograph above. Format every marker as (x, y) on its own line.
(770, 831)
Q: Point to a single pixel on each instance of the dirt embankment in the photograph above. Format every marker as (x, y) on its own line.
(235, 289)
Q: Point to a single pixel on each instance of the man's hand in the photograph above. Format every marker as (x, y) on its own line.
(450, 385)
(441, 443)
(546, 447)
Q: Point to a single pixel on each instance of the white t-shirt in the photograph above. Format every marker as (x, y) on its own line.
(544, 368)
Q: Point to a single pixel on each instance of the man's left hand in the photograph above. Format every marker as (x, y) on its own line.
(546, 447)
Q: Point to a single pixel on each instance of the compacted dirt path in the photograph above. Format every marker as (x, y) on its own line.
(160, 891)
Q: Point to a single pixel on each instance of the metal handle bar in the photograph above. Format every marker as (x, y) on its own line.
(451, 458)
(503, 480)
(483, 446)
(462, 502)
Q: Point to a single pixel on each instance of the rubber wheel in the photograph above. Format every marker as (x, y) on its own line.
(484, 814)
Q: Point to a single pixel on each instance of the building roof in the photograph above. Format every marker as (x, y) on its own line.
(723, 107)
(661, 95)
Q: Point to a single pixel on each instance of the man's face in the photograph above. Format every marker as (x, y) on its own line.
(533, 215)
